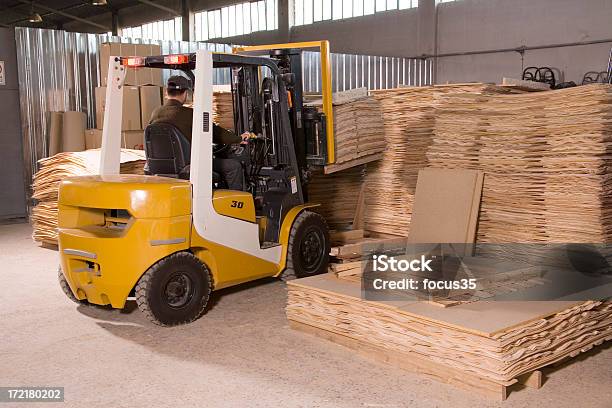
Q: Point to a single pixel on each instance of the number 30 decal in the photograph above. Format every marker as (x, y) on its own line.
(237, 204)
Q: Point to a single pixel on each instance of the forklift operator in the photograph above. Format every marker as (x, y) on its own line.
(174, 113)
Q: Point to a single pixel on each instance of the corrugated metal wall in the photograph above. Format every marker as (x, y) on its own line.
(59, 70)
(357, 71)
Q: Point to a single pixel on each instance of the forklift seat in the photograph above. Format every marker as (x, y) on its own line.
(168, 152)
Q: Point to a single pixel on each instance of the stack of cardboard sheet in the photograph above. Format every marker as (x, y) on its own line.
(545, 156)
(506, 139)
(223, 110)
(484, 346)
(338, 196)
(358, 130)
(57, 168)
(577, 163)
(409, 118)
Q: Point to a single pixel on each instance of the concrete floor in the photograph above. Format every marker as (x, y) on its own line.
(240, 354)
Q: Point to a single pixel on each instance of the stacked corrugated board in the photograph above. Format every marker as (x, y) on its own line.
(483, 346)
(409, 118)
(223, 110)
(546, 159)
(59, 167)
(338, 194)
(358, 129)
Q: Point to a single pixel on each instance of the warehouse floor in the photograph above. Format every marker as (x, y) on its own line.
(241, 354)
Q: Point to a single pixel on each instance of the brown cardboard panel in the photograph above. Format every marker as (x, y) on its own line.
(143, 76)
(140, 76)
(105, 53)
(115, 49)
(130, 139)
(93, 139)
(156, 77)
(100, 96)
(150, 99)
(446, 206)
(73, 131)
(147, 76)
(130, 74)
(55, 132)
(131, 107)
(133, 139)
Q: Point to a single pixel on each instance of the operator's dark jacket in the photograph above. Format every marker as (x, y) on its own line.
(174, 113)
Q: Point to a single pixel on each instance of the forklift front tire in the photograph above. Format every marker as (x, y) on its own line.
(308, 248)
(175, 290)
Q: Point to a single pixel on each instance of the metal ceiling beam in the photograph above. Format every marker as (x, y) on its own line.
(68, 15)
(16, 11)
(159, 6)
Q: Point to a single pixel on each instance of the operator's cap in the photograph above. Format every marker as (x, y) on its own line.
(178, 82)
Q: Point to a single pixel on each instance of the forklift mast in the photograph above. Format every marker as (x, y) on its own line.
(290, 66)
(313, 129)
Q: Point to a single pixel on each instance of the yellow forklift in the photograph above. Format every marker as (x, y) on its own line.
(172, 236)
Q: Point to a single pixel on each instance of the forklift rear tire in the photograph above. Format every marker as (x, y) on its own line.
(175, 290)
(66, 288)
(308, 249)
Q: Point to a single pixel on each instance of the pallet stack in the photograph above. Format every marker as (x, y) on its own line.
(483, 346)
(56, 168)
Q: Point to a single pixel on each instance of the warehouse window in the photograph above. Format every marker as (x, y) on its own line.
(168, 30)
(238, 19)
(312, 11)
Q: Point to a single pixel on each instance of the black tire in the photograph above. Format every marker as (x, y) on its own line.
(308, 249)
(175, 290)
(66, 288)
